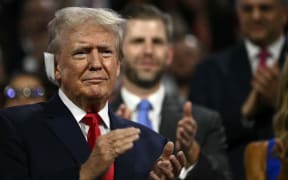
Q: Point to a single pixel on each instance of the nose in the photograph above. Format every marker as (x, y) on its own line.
(148, 48)
(256, 13)
(94, 60)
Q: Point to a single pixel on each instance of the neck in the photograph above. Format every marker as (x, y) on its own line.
(140, 91)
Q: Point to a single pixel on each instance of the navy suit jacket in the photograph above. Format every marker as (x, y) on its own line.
(44, 141)
(223, 82)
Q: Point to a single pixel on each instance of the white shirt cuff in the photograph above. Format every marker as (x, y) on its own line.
(184, 171)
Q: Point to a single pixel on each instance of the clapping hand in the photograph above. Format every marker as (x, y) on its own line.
(266, 84)
(168, 165)
(107, 148)
(186, 132)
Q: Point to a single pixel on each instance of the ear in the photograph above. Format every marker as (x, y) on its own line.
(170, 55)
(57, 71)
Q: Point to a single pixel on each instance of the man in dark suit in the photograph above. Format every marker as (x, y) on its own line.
(242, 82)
(48, 140)
(198, 132)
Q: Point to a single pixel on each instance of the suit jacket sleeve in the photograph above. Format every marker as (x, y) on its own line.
(212, 162)
(14, 158)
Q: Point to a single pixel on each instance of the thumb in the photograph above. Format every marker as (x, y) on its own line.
(187, 109)
(120, 110)
(168, 150)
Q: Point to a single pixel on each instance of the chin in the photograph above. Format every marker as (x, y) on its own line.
(258, 40)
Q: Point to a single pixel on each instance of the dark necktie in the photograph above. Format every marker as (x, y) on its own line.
(263, 55)
(93, 120)
(143, 113)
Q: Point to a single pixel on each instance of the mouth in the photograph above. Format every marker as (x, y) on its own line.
(147, 64)
(94, 80)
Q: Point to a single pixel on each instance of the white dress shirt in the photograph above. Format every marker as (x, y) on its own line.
(79, 114)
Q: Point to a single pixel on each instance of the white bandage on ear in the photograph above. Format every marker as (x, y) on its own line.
(49, 60)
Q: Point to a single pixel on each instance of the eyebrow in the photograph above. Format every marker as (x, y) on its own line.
(87, 45)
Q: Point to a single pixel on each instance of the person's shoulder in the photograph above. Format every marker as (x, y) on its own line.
(205, 114)
(222, 58)
(256, 148)
(21, 113)
(203, 110)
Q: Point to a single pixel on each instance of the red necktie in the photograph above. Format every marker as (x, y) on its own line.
(93, 120)
(263, 55)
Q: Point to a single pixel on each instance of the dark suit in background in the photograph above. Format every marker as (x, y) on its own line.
(222, 82)
(212, 163)
(44, 141)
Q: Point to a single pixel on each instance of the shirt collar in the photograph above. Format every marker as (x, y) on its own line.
(79, 113)
(274, 49)
(131, 100)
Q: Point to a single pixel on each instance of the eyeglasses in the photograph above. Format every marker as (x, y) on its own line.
(13, 93)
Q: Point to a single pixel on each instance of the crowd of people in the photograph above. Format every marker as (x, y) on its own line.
(144, 90)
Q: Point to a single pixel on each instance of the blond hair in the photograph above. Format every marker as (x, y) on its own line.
(280, 121)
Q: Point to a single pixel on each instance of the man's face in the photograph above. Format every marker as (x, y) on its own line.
(187, 55)
(261, 21)
(146, 52)
(87, 63)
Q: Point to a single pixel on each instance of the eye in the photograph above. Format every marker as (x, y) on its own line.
(80, 53)
(105, 52)
(247, 8)
(265, 8)
(137, 41)
(158, 41)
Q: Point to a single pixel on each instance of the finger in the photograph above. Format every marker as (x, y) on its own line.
(185, 142)
(259, 88)
(123, 112)
(166, 169)
(119, 111)
(185, 134)
(178, 144)
(168, 150)
(176, 165)
(119, 141)
(187, 129)
(275, 70)
(262, 78)
(187, 109)
(119, 147)
(188, 124)
(120, 134)
(153, 176)
(181, 158)
(128, 113)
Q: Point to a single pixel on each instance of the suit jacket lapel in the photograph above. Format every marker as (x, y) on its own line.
(62, 123)
(170, 115)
